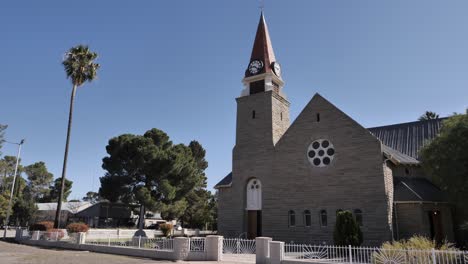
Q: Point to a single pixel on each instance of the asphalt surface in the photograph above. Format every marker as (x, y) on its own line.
(11, 253)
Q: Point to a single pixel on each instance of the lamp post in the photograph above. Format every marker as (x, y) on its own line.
(7, 221)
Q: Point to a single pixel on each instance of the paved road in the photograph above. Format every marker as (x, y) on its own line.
(21, 254)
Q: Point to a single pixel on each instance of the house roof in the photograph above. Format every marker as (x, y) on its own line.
(416, 189)
(408, 138)
(397, 157)
(74, 207)
(225, 182)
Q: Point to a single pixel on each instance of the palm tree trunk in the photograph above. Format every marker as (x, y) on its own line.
(65, 158)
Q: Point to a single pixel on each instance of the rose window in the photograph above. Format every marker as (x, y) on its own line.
(320, 153)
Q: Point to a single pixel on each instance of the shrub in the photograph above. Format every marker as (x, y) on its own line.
(166, 229)
(42, 226)
(419, 250)
(77, 228)
(347, 230)
(418, 242)
(54, 234)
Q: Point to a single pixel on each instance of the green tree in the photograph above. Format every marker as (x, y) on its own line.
(54, 191)
(80, 68)
(4, 197)
(92, 197)
(24, 211)
(20, 186)
(2, 136)
(151, 171)
(445, 159)
(428, 115)
(201, 210)
(347, 230)
(7, 170)
(39, 180)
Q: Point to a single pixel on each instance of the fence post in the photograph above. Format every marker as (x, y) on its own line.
(108, 240)
(181, 248)
(350, 254)
(262, 248)
(276, 252)
(139, 242)
(214, 248)
(433, 257)
(36, 235)
(80, 238)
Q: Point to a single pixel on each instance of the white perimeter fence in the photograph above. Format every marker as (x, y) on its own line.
(365, 255)
(266, 250)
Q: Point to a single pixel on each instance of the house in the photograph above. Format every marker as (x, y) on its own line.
(289, 180)
(97, 215)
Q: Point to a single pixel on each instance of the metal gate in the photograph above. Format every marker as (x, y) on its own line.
(238, 246)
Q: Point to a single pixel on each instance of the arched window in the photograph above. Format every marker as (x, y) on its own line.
(254, 195)
(307, 218)
(358, 215)
(292, 218)
(323, 218)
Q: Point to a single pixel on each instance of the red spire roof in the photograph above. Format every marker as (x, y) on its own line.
(262, 49)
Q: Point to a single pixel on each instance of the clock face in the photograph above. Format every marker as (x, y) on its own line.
(255, 67)
(276, 68)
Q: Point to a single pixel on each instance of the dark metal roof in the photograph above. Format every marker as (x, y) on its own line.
(397, 157)
(225, 182)
(416, 189)
(408, 138)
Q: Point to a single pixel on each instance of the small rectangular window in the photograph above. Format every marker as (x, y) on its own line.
(323, 218)
(307, 218)
(292, 218)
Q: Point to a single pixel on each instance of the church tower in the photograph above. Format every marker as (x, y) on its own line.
(262, 108)
(262, 118)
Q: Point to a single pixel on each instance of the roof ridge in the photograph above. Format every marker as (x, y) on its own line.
(412, 122)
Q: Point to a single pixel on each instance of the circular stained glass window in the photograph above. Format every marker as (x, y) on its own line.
(320, 153)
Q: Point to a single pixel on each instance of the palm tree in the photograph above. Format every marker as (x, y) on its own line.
(80, 68)
(428, 116)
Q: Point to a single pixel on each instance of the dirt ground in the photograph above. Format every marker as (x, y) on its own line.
(20, 254)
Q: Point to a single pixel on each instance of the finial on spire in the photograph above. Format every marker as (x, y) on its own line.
(262, 5)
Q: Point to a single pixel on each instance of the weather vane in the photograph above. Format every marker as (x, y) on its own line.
(262, 4)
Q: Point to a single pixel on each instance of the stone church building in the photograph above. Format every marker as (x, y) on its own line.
(289, 180)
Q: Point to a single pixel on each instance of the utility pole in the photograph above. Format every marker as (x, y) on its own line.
(7, 221)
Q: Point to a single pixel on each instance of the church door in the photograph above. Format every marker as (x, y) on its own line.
(251, 224)
(435, 221)
(254, 208)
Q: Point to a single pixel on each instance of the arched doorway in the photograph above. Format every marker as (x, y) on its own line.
(254, 208)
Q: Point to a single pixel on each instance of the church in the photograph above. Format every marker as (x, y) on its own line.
(289, 180)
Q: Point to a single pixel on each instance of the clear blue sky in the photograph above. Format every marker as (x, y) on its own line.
(178, 65)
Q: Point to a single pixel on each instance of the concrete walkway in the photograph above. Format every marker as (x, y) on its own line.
(20, 254)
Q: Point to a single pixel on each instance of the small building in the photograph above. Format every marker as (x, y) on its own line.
(99, 215)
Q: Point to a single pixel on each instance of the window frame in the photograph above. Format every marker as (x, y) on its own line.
(359, 221)
(323, 213)
(307, 216)
(291, 216)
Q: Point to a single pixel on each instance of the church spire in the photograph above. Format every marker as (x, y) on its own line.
(262, 59)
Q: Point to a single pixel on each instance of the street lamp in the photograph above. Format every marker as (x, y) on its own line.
(7, 221)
